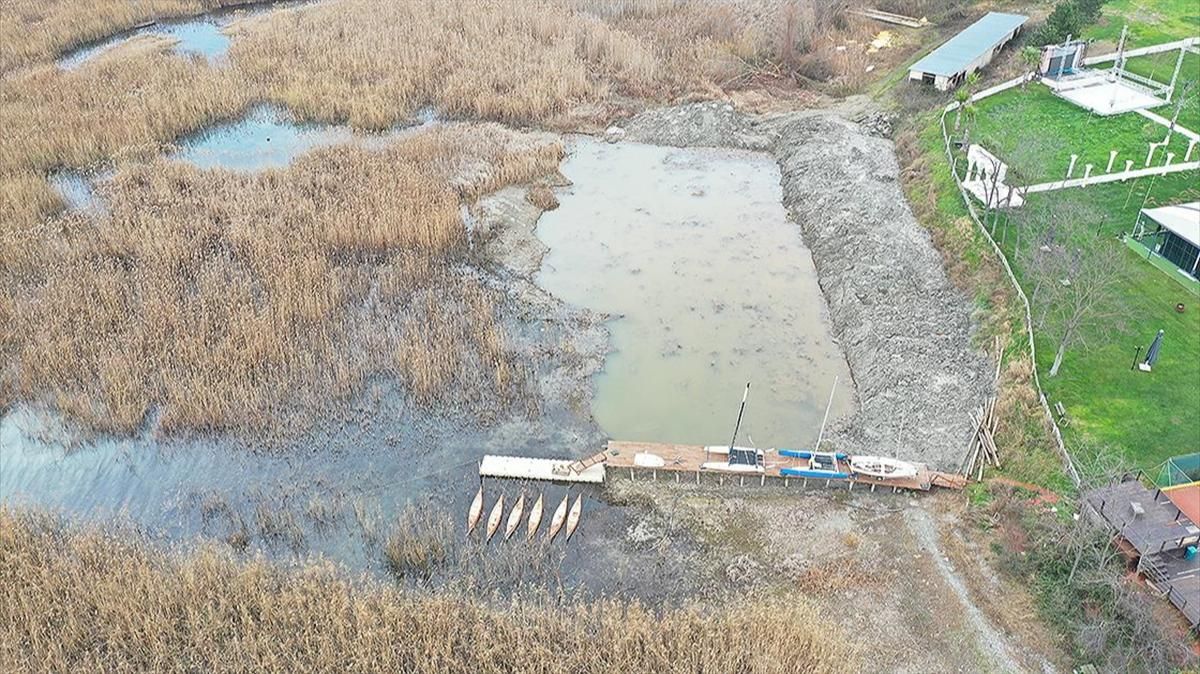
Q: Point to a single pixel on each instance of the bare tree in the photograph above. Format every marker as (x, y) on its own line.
(1084, 298)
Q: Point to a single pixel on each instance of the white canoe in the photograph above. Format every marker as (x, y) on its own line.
(535, 518)
(573, 518)
(494, 518)
(514, 518)
(560, 516)
(476, 512)
(882, 467)
(731, 467)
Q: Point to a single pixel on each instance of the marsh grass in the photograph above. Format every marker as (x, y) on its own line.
(418, 545)
(87, 600)
(228, 298)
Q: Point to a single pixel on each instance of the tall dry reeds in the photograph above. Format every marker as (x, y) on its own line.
(227, 299)
(83, 600)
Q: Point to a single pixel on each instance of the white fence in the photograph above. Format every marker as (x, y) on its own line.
(1153, 49)
(1068, 464)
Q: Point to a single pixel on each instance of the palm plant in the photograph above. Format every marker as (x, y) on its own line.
(1031, 57)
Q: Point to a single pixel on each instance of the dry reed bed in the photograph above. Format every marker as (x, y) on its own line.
(229, 298)
(215, 293)
(87, 600)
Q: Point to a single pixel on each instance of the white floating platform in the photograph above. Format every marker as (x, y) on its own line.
(524, 468)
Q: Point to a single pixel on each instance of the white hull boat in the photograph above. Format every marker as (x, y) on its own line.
(573, 517)
(882, 467)
(514, 518)
(476, 512)
(731, 467)
(535, 518)
(493, 522)
(559, 517)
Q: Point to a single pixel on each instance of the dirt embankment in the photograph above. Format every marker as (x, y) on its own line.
(905, 329)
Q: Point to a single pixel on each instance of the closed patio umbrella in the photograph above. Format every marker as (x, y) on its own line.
(1155, 347)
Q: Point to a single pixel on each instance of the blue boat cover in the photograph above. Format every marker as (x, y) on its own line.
(804, 472)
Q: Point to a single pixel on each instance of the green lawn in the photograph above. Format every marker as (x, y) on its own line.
(1150, 416)
(1036, 132)
(1151, 21)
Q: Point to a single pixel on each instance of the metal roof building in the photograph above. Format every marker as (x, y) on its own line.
(1178, 234)
(948, 65)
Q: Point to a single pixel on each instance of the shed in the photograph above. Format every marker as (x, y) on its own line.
(948, 65)
(1177, 229)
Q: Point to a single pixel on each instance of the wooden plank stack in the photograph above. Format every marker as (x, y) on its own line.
(982, 450)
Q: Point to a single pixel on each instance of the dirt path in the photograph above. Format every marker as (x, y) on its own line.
(988, 640)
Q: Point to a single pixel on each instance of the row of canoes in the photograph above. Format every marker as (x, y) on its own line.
(562, 516)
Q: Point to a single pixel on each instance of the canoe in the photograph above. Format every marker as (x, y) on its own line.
(535, 518)
(807, 454)
(808, 472)
(494, 518)
(573, 518)
(560, 516)
(514, 518)
(730, 467)
(882, 467)
(724, 449)
(476, 512)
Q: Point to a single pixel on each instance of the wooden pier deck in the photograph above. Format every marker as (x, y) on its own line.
(634, 458)
(682, 459)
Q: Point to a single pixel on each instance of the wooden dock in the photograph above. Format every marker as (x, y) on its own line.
(621, 458)
(633, 458)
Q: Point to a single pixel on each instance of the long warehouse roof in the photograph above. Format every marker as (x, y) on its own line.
(974, 41)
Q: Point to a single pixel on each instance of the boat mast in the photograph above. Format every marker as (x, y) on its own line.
(736, 426)
(821, 433)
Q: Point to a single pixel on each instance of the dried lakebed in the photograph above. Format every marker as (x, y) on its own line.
(905, 331)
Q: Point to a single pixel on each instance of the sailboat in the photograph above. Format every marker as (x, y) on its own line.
(493, 522)
(573, 518)
(560, 516)
(535, 518)
(476, 511)
(514, 518)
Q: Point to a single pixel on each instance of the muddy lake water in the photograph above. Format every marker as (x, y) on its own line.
(689, 250)
(711, 286)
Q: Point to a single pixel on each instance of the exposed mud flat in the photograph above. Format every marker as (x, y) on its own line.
(905, 329)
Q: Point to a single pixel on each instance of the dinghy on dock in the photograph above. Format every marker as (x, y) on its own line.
(882, 467)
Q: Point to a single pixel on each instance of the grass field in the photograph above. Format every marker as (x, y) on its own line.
(1151, 21)
(1148, 417)
(1036, 133)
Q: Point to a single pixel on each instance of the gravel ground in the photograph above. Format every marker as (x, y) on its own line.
(905, 329)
